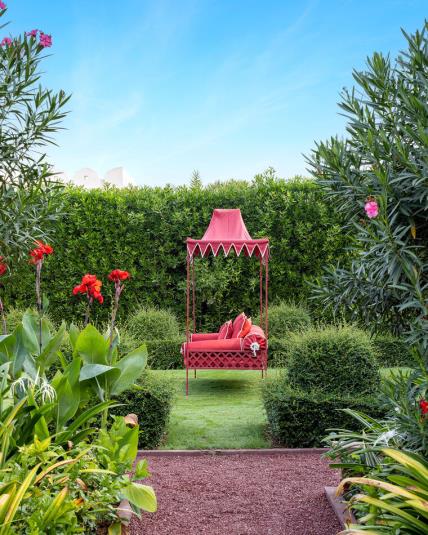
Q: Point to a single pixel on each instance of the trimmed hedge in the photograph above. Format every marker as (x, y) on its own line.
(301, 419)
(144, 229)
(279, 351)
(334, 361)
(165, 354)
(392, 351)
(285, 318)
(148, 323)
(151, 400)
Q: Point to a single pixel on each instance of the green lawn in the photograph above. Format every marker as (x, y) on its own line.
(224, 410)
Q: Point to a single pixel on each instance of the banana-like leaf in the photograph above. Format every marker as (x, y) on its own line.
(91, 346)
(73, 334)
(143, 496)
(81, 420)
(49, 353)
(131, 367)
(89, 371)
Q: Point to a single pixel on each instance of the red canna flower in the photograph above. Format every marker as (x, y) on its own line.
(423, 404)
(3, 266)
(118, 275)
(40, 252)
(90, 286)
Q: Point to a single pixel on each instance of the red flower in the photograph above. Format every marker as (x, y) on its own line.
(90, 286)
(423, 404)
(3, 266)
(118, 275)
(40, 251)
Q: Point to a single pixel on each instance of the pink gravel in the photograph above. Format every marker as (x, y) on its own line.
(278, 494)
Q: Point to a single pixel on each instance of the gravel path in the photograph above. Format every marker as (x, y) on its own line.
(281, 494)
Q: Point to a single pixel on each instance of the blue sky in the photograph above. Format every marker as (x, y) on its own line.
(228, 87)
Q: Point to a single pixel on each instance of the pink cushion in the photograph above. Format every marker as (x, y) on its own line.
(225, 330)
(238, 324)
(214, 345)
(196, 337)
(256, 335)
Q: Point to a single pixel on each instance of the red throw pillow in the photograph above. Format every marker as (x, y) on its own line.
(245, 328)
(238, 324)
(225, 330)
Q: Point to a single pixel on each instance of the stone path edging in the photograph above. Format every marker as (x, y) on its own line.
(261, 451)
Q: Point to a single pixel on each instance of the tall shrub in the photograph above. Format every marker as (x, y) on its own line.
(30, 114)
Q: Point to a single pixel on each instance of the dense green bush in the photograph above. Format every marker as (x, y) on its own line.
(14, 318)
(392, 351)
(144, 230)
(300, 419)
(149, 323)
(279, 351)
(165, 354)
(286, 317)
(335, 360)
(151, 400)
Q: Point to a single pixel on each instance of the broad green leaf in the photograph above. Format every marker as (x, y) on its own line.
(90, 371)
(49, 353)
(143, 496)
(131, 367)
(73, 334)
(92, 346)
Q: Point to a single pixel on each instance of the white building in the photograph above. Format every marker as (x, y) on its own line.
(89, 178)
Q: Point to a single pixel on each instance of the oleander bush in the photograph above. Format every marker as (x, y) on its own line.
(392, 351)
(149, 323)
(151, 400)
(299, 419)
(334, 361)
(285, 318)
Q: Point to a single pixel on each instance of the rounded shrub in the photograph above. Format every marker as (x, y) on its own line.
(335, 360)
(392, 351)
(286, 317)
(152, 324)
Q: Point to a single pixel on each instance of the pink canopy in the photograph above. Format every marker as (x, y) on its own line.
(227, 230)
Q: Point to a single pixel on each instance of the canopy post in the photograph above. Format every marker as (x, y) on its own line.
(193, 296)
(187, 321)
(261, 291)
(266, 296)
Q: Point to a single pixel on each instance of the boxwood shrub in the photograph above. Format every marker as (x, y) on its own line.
(336, 361)
(165, 354)
(392, 351)
(286, 317)
(300, 419)
(279, 351)
(151, 400)
(148, 323)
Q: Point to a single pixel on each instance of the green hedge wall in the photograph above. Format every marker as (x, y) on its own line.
(301, 419)
(143, 230)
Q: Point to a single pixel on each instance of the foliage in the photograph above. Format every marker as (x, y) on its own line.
(300, 419)
(279, 351)
(149, 323)
(29, 117)
(165, 354)
(47, 488)
(285, 318)
(394, 500)
(383, 161)
(392, 351)
(14, 318)
(334, 361)
(151, 400)
(145, 229)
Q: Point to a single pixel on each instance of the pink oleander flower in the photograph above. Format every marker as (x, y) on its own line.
(33, 33)
(2, 6)
(372, 209)
(45, 40)
(7, 41)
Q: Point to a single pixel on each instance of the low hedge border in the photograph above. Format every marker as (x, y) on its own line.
(151, 400)
(301, 419)
(165, 354)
